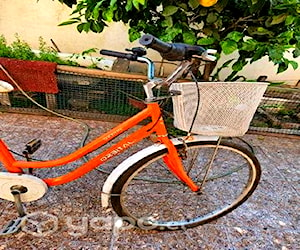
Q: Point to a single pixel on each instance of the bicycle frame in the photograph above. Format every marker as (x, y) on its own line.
(156, 125)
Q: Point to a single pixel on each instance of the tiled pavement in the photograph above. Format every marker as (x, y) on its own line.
(268, 220)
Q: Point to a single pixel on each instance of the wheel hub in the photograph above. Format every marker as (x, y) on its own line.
(33, 188)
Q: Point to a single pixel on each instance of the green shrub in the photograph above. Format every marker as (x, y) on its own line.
(19, 49)
(5, 50)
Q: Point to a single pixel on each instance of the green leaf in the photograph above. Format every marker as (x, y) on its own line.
(263, 31)
(133, 34)
(216, 35)
(96, 10)
(112, 2)
(189, 37)
(294, 64)
(203, 12)
(171, 33)
(118, 14)
(211, 17)
(249, 45)
(278, 19)
(169, 10)
(168, 22)
(296, 53)
(287, 36)
(228, 46)
(141, 2)
(235, 36)
(86, 27)
(193, 4)
(226, 64)
(97, 27)
(282, 66)
(137, 3)
(80, 27)
(289, 20)
(108, 14)
(206, 41)
(220, 5)
(239, 65)
(259, 53)
(276, 54)
(141, 25)
(69, 22)
(78, 8)
(229, 78)
(129, 5)
(183, 6)
(256, 6)
(96, 14)
(89, 51)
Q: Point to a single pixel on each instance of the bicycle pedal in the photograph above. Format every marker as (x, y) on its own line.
(32, 146)
(13, 226)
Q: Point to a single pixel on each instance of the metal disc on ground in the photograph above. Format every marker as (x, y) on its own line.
(34, 187)
(5, 87)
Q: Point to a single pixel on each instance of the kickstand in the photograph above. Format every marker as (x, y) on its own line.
(15, 225)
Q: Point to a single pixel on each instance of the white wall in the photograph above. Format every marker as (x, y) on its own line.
(32, 19)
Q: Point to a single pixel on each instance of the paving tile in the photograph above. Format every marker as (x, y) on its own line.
(268, 220)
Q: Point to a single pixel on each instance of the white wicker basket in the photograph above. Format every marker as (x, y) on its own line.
(226, 108)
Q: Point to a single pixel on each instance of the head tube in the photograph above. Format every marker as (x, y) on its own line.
(150, 64)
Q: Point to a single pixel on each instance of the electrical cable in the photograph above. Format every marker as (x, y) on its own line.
(198, 103)
(84, 125)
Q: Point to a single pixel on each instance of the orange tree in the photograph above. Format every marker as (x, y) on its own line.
(254, 28)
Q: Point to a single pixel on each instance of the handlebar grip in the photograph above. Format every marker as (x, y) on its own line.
(154, 43)
(168, 51)
(118, 54)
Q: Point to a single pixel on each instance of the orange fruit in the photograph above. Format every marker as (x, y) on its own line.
(208, 3)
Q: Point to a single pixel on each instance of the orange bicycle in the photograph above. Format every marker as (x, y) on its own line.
(206, 177)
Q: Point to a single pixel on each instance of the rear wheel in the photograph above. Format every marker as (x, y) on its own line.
(149, 196)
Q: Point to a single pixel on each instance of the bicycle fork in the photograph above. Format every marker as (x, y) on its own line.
(172, 159)
(174, 163)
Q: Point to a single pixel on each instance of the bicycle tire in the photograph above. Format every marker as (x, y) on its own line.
(149, 196)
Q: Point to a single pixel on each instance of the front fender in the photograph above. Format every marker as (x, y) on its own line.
(121, 168)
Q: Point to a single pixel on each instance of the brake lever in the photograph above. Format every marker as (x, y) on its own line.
(208, 55)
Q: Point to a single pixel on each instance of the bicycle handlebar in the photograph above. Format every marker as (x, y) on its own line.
(172, 51)
(128, 56)
(168, 51)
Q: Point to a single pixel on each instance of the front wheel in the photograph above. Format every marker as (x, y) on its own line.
(149, 196)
